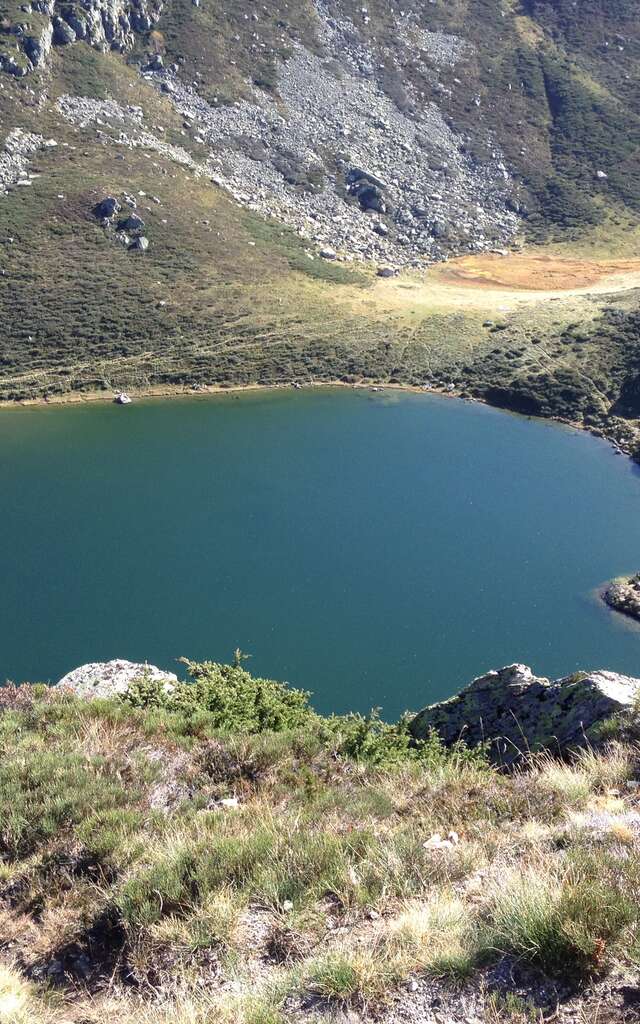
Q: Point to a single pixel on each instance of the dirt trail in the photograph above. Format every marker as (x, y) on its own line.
(489, 280)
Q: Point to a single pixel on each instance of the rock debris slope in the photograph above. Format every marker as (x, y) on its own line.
(327, 151)
(337, 159)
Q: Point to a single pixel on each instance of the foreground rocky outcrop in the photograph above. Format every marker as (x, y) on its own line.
(519, 712)
(108, 678)
(513, 710)
(623, 595)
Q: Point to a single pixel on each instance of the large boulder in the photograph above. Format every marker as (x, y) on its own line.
(132, 223)
(107, 207)
(518, 712)
(623, 595)
(108, 678)
(37, 45)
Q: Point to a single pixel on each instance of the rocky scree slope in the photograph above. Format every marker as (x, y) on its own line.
(392, 131)
(368, 171)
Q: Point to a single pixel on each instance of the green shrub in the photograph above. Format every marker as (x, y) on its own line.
(370, 739)
(44, 793)
(227, 698)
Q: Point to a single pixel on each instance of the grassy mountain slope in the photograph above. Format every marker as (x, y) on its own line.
(224, 854)
(225, 295)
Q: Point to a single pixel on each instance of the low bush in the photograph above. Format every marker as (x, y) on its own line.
(566, 922)
(226, 698)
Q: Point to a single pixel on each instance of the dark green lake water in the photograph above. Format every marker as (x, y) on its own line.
(377, 549)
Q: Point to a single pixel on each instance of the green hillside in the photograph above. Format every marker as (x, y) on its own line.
(223, 853)
(228, 295)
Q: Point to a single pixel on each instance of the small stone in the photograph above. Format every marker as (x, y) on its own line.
(434, 842)
(229, 803)
(438, 843)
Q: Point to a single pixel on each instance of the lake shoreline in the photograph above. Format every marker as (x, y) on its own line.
(215, 390)
(204, 391)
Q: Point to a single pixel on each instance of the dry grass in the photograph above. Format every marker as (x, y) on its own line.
(320, 886)
(20, 1003)
(437, 938)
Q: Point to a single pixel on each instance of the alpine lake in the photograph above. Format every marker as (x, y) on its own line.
(379, 549)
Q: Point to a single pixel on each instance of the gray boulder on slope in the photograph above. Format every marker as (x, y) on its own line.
(518, 711)
(108, 678)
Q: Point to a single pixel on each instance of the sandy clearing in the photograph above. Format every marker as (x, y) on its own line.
(491, 281)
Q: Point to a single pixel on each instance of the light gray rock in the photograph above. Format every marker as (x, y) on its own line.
(518, 712)
(108, 678)
(37, 47)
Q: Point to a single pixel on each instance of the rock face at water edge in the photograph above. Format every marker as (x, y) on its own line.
(108, 678)
(624, 596)
(518, 712)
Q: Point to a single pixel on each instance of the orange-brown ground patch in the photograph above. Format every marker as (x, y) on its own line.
(524, 272)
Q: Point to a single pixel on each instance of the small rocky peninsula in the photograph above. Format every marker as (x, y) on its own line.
(623, 595)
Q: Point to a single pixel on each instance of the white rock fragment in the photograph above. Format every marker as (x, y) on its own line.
(108, 678)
